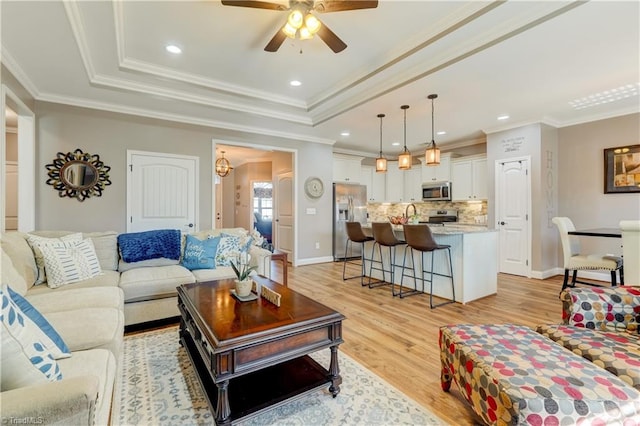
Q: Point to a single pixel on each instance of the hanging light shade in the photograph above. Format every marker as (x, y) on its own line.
(223, 167)
(404, 159)
(432, 154)
(381, 162)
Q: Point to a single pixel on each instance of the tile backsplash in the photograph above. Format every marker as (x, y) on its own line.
(467, 212)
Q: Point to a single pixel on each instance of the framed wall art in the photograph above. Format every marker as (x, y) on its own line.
(622, 169)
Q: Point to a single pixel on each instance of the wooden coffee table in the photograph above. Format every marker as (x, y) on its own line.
(253, 355)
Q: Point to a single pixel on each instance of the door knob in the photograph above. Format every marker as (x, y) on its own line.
(190, 225)
(502, 223)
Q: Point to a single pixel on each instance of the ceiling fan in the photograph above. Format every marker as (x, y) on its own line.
(302, 23)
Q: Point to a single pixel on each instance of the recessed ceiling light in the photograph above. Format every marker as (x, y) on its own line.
(607, 96)
(172, 48)
(503, 117)
(295, 83)
(396, 144)
(345, 134)
(441, 132)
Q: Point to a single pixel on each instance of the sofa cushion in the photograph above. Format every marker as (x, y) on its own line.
(105, 243)
(67, 262)
(101, 328)
(36, 241)
(11, 276)
(153, 283)
(77, 298)
(221, 272)
(149, 263)
(106, 279)
(618, 353)
(25, 358)
(15, 245)
(200, 254)
(101, 364)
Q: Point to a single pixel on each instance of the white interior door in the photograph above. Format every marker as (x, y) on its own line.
(284, 214)
(512, 215)
(161, 191)
(219, 212)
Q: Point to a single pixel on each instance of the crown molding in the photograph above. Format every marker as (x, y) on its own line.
(122, 109)
(17, 71)
(77, 28)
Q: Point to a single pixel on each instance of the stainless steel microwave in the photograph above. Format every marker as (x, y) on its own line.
(436, 191)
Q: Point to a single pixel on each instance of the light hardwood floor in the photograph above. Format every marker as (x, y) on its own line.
(398, 338)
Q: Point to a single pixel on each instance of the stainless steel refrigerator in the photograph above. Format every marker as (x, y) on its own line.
(349, 205)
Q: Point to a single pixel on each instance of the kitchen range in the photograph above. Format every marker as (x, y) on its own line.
(440, 217)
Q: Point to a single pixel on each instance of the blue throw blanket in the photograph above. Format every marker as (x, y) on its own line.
(137, 246)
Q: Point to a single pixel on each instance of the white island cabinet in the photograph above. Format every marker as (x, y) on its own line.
(474, 254)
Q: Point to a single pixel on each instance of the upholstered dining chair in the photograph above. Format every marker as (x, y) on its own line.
(631, 251)
(576, 261)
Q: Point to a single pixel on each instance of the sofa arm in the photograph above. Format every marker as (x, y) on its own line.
(609, 308)
(261, 258)
(68, 401)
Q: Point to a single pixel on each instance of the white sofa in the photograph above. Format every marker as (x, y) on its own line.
(90, 316)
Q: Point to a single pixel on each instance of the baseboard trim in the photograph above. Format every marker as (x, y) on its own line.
(314, 260)
(543, 275)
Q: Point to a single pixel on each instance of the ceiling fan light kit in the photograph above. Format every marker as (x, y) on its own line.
(404, 159)
(381, 162)
(301, 23)
(432, 154)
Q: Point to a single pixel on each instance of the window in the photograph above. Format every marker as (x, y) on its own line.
(263, 199)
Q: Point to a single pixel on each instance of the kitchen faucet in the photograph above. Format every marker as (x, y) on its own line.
(406, 211)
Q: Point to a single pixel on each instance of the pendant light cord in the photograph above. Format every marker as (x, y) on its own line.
(381, 116)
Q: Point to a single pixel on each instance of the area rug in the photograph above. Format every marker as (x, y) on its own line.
(156, 385)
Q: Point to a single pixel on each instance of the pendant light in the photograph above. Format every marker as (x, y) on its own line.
(432, 154)
(404, 159)
(381, 162)
(223, 167)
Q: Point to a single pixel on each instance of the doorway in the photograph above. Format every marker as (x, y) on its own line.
(24, 207)
(513, 195)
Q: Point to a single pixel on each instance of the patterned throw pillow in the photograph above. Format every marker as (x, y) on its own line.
(228, 250)
(69, 262)
(36, 243)
(29, 346)
(200, 254)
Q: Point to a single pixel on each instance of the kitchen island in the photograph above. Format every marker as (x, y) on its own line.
(474, 257)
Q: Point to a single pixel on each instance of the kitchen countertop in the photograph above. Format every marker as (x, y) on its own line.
(453, 229)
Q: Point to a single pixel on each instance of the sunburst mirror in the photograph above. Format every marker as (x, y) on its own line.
(78, 175)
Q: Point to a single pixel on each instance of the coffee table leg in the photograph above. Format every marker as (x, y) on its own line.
(334, 372)
(223, 410)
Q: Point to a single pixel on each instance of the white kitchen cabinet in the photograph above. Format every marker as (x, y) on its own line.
(346, 168)
(440, 173)
(469, 179)
(375, 183)
(413, 185)
(395, 184)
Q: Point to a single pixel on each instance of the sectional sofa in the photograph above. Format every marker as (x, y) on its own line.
(90, 316)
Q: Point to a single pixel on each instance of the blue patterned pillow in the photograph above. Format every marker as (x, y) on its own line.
(28, 352)
(200, 254)
(228, 250)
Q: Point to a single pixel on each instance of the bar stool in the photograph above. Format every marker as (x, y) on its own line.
(419, 238)
(383, 236)
(355, 235)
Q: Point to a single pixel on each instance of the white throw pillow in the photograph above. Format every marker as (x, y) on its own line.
(69, 262)
(36, 241)
(27, 352)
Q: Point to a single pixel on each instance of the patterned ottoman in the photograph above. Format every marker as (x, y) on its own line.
(618, 353)
(512, 375)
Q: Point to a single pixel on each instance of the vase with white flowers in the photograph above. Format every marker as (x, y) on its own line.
(243, 272)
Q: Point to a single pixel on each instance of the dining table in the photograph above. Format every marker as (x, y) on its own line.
(598, 232)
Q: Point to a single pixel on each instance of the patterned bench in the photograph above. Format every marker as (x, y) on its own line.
(512, 375)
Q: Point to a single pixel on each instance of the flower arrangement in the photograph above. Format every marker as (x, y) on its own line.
(241, 267)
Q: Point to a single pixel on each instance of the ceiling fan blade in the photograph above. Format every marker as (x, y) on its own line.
(331, 39)
(342, 5)
(276, 42)
(255, 4)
